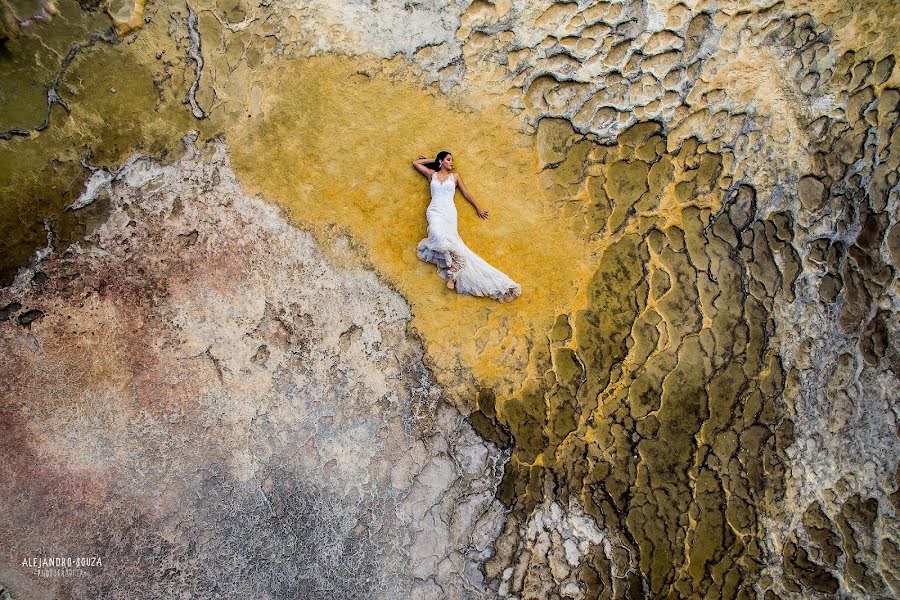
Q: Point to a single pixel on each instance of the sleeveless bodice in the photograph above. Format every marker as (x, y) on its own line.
(442, 191)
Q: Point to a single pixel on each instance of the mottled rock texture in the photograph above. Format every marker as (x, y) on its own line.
(698, 387)
(211, 407)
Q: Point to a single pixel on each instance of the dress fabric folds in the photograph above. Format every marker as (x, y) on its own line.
(444, 248)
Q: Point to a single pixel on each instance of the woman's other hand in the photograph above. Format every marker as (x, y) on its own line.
(482, 213)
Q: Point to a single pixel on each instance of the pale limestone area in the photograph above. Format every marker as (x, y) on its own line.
(556, 540)
(280, 411)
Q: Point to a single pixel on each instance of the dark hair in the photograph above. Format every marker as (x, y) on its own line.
(436, 165)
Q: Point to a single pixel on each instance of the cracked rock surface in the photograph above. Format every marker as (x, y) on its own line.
(696, 391)
(210, 406)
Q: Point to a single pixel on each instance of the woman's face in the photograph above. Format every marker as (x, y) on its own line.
(447, 162)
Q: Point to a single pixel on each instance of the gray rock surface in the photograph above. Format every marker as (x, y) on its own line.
(214, 409)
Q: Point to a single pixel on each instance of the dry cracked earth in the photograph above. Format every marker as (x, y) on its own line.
(226, 373)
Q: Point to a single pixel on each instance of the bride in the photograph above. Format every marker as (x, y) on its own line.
(463, 270)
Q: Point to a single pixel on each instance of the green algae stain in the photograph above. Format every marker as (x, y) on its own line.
(668, 350)
(115, 107)
(601, 330)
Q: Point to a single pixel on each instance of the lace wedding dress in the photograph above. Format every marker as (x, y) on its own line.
(443, 247)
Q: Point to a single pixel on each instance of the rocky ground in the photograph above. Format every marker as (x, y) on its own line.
(225, 370)
(198, 396)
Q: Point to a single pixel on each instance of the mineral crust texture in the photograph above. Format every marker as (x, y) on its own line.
(224, 370)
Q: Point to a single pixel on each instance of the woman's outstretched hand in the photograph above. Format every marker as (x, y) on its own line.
(482, 213)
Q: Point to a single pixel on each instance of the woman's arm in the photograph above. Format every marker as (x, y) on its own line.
(462, 188)
(419, 165)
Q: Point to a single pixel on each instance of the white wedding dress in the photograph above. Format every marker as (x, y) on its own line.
(445, 248)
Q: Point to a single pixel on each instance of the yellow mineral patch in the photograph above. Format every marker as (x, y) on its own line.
(333, 144)
(871, 28)
(127, 15)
